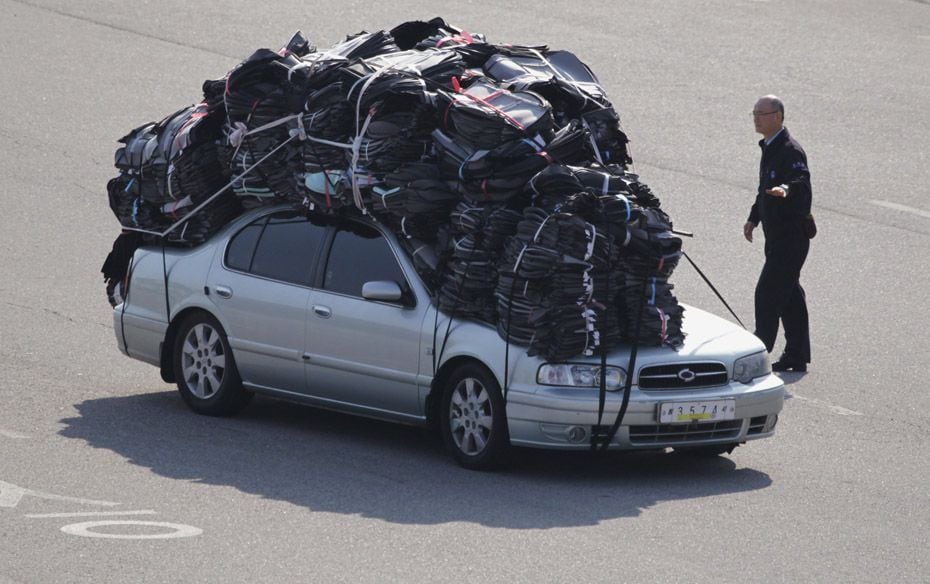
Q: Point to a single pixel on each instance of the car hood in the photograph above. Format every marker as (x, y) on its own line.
(707, 338)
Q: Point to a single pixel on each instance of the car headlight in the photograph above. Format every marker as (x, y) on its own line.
(747, 368)
(579, 375)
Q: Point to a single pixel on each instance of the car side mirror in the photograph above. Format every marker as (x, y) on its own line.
(384, 290)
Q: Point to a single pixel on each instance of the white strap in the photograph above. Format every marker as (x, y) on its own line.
(538, 231)
(597, 152)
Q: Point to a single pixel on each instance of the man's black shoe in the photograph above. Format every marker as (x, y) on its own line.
(789, 365)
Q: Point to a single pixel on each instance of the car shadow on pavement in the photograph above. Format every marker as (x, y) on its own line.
(792, 377)
(337, 463)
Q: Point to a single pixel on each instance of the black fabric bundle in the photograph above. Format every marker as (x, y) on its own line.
(557, 283)
(498, 174)
(169, 168)
(501, 168)
(478, 233)
(485, 115)
(413, 200)
(259, 93)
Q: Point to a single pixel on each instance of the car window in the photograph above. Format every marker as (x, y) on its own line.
(360, 254)
(287, 247)
(242, 246)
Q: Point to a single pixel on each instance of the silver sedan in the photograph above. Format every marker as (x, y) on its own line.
(331, 312)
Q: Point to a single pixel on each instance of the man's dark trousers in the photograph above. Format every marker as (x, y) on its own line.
(779, 295)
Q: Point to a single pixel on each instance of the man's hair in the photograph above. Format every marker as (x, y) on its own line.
(777, 102)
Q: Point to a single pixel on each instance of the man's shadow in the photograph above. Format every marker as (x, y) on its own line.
(337, 463)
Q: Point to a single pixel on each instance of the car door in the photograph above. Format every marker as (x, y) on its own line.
(261, 292)
(363, 353)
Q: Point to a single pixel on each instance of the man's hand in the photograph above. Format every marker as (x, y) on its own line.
(777, 192)
(747, 230)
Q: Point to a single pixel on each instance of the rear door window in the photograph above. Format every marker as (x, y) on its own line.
(242, 246)
(283, 247)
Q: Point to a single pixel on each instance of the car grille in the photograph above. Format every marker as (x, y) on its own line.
(670, 377)
(667, 433)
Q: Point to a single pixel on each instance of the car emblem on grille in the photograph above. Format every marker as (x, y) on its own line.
(686, 375)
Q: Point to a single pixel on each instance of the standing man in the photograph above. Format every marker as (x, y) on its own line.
(782, 205)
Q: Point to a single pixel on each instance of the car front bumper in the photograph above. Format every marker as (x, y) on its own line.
(564, 418)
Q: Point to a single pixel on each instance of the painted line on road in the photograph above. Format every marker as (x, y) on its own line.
(12, 434)
(839, 410)
(900, 207)
(90, 514)
(175, 530)
(10, 496)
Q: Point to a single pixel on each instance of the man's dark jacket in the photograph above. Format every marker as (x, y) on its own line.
(783, 163)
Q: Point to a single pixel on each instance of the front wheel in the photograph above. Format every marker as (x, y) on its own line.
(205, 369)
(472, 421)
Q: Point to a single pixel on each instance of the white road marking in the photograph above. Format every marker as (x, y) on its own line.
(177, 530)
(10, 495)
(839, 410)
(900, 207)
(12, 434)
(89, 514)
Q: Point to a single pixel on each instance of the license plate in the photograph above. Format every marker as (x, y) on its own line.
(697, 411)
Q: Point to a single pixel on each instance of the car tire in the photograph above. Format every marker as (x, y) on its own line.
(472, 419)
(706, 451)
(205, 370)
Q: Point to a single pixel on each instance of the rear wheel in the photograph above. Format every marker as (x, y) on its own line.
(205, 369)
(472, 419)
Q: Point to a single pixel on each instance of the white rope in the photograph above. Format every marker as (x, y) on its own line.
(571, 82)
(175, 205)
(353, 166)
(240, 130)
(196, 209)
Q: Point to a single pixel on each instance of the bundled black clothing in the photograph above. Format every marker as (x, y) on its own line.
(779, 294)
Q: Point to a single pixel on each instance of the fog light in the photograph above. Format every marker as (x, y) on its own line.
(770, 423)
(576, 434)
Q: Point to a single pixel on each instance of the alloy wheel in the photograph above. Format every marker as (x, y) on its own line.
(470, 416)
(203, 361)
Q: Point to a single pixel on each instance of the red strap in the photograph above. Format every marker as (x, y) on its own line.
(329, 202)
(497, 110)
(445, 115)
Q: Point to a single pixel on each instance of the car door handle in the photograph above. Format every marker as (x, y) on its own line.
(223, 291)
(322, 311)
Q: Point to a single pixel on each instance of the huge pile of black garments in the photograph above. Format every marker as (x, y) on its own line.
(503, 170)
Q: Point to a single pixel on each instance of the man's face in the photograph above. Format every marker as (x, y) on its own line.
(766, 117)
